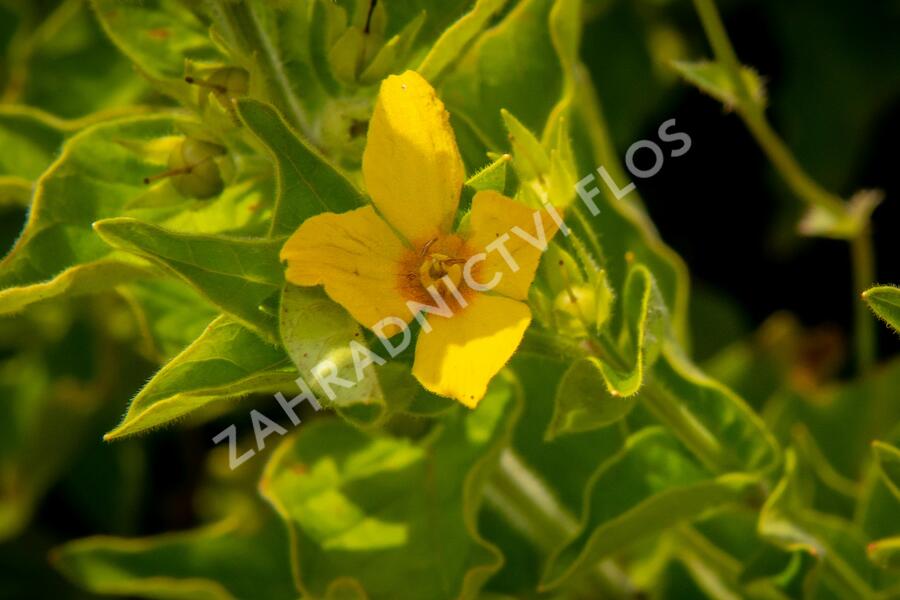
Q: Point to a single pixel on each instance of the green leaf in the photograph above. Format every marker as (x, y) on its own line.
(68, 51)
(15, 192)
(99, 171)
(157, 35)
(307, 183)
(236, 274)
(208, 563)
(529, 157)
(77, 280)
(492, 177)
(169, 315)
(710, 419)
(316, 330)
(583, 402)
(832, 414)
(388, 513)
(846, 225)
(786, 521)
(888, 459)
(645, 324)
(228, 361)
(438, 17)
(456, 39)
(885, 553)
(492, 75)
(552, 459)
(29, 140)
(650, 486)
(712, 78)
(885, 303)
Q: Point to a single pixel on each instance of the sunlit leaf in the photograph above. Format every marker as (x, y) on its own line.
(94, 177)
(28, 142)
(885, 303)
(307, 183)
(169, 315)
(492, 177)
(456, 38)
(236, 274)
(583, 401)
(492, 75)
(228, 361)
(318, 334)
(645, 323)
(387, 512)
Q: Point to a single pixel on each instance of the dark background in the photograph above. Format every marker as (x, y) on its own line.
(833, 81)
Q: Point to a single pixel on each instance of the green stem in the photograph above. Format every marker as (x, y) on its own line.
(800, 183)
(668, 410)
(527, 505)
(243, 28)
(689, 430)
(753, 116)
(863, 257)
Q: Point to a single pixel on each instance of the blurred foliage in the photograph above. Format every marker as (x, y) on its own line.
(647, 440)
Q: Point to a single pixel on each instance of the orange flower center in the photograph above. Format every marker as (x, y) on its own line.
(438, 263)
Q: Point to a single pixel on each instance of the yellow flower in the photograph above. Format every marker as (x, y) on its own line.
(379, 261)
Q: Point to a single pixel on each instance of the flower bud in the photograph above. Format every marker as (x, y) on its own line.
(194, 169)
(575, 310)
(225, 83)
(584, 307)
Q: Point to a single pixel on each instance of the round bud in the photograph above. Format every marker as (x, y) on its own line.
(582, 307)
(195, 170)
(233, 81)
(224, 83)
(575, 310)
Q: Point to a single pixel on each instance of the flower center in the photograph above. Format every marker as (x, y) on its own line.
(436, 266)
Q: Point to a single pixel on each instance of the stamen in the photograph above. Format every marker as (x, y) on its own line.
(185, 170)
(169, 173)
(427, 246)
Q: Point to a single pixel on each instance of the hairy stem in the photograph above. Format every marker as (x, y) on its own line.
(530, 507)
(800, 183)
(668, 410)
(753, 116)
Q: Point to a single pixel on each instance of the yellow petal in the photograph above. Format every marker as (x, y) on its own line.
(493, 216)
(461, 354)
(356, 256)
(411, 164)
